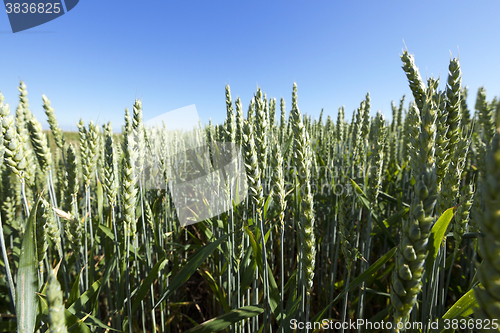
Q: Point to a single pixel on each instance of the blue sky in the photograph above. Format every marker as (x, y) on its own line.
(95, 60)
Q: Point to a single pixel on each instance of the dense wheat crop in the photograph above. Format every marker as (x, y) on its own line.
(389, 225)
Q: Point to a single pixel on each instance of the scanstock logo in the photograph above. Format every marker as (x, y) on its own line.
(26, 14)
(204, 178)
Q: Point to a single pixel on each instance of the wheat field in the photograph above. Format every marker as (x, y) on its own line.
(391, 224)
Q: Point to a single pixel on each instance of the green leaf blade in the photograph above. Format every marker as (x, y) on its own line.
(191, 266)
(27, 278)
(223, 321)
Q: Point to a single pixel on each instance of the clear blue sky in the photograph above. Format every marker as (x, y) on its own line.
(95, 60)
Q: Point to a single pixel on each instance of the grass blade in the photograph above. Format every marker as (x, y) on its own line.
(463, 307)
(367, 274)
(221, 322)
(191, 266)
(27, 279)
(436, 237)
(144, 288)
